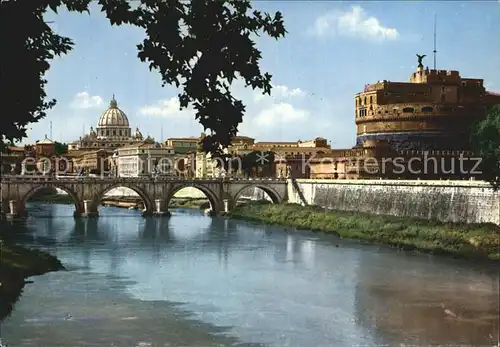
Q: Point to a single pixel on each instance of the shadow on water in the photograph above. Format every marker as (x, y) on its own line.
(10, 292)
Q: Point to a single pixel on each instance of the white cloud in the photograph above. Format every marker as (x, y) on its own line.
(169, 108)
(264, 114)
(354, 23)
(84, 100)
(281, 92)
(279, 115)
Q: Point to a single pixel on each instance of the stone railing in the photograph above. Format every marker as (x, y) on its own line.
(392, 182)
(30, 178)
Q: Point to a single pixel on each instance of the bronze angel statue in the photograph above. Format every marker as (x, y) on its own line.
(420, 57)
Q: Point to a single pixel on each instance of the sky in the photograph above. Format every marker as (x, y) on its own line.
(332, 49)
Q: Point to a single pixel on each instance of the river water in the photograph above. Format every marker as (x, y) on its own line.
(193, 280)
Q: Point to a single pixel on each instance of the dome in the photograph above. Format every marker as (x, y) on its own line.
(113, 116)
(45, 141)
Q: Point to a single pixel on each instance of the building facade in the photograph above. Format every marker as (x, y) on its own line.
(183, 145)
(146, 159)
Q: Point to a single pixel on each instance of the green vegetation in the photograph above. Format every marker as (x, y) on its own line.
(61, 148)
(200, 47)
(470, 241)
(486, 140)
(253, 161)
(189, 203)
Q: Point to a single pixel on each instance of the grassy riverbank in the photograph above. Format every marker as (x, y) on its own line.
(470, 241)
(16, 264)
(189, 203)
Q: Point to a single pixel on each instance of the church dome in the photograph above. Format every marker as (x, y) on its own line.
(113, 116)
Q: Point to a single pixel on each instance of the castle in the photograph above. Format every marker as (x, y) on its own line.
(431, 116)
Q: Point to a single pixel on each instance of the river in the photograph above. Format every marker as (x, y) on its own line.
(192, 280)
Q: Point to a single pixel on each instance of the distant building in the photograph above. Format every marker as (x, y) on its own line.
(183, 145)
(145, 159)
(112, 131)
(40, 158)
(91, 162)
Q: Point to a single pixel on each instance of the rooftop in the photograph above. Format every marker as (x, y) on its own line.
(45, 141)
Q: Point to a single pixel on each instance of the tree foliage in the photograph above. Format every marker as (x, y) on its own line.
(253, 160)
(199, 46)
(486, 140)
(60, 148)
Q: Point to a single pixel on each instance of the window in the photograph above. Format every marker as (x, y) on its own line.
(408, 110)
(427, 109)
(443, 97)
(371, 99)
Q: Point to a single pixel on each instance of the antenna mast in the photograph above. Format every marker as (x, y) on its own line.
(50, 131)
(434, 51)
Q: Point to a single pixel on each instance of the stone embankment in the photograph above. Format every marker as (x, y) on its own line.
(446, 201)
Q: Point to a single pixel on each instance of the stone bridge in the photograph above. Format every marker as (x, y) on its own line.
(87, 192)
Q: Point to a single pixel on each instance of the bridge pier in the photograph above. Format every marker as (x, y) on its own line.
(161, 208)
(89, 209)
(225, 207)
(12, 210)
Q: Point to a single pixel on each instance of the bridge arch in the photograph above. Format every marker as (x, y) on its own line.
(21, 205)
(273, 194)
(215, 202)
(148, 203)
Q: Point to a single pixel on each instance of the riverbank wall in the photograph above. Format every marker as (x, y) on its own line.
(467, 202)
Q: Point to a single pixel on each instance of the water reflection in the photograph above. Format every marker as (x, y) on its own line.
(417, 304)
(261, 284)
